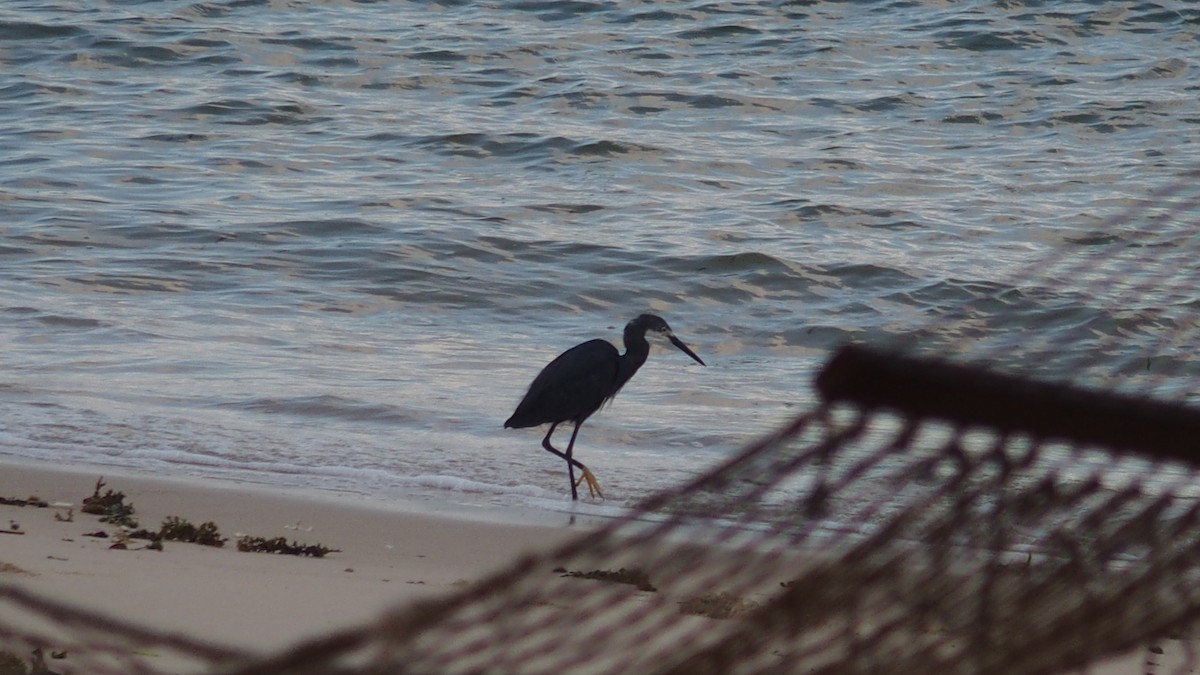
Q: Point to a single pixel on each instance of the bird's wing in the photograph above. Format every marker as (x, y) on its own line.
(571, 387)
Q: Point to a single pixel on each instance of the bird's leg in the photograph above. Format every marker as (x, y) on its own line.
(570, 466)
(593, 486)
(592, 483)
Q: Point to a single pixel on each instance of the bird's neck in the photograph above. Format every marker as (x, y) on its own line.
(636, 351)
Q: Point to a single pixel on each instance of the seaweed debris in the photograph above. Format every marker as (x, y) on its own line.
(110, 506)
(97, 503)
(280, 545)
(175, 528)
(11, 664)
(717, 605)
(37, 664)
(634, 577)
(32, 500)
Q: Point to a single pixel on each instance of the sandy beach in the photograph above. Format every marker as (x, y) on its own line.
(255, 604)
(387, 555)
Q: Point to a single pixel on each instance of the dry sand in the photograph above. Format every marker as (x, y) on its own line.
(389, 555)
(251, 601)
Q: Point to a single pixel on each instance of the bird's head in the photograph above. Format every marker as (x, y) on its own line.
(650, 323)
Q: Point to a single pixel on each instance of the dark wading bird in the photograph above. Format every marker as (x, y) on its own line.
(579, 381)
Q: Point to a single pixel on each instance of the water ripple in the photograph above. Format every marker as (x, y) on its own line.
(246, 215)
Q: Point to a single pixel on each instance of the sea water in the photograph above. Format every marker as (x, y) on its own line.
(329, 244)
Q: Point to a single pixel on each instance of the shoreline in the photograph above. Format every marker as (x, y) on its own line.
(451, 503)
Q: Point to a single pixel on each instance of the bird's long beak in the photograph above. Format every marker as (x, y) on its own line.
(684, 348)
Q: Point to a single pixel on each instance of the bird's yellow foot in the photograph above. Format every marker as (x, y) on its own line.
(592, 484)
